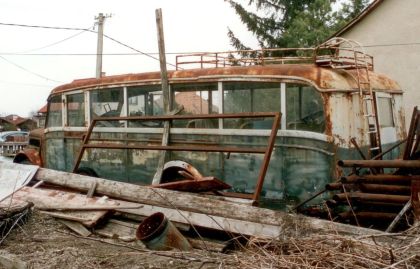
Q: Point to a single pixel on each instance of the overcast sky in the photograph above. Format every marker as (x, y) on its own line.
(29, 71)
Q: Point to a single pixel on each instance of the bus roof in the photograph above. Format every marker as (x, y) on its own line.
(323, 78)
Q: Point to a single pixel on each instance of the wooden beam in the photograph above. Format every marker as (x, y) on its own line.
(165, 94)
(193, 203)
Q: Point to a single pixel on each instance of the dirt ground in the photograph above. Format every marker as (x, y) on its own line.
(43, 242)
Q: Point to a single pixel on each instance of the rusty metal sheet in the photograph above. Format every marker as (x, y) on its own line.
(202, 185)
(323, 78)
(12, 179)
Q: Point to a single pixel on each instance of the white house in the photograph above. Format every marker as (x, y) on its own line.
(389, 30)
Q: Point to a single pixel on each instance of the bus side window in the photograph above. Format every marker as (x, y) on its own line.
(55, 113)
(250, 97)
(304, 108)
(76, 110)
(145, 100)
(196, 98)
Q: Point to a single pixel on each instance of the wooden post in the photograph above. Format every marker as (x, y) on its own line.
(165, 94)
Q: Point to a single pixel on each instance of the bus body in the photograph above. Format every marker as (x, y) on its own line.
(321, 111)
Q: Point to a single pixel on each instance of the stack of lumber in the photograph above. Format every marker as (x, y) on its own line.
(63, 195)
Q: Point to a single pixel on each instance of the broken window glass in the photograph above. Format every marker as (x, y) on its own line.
(304, 108)
(145, 100)
(76, 110)
(55, 114)
(107, 103)
(250, 97)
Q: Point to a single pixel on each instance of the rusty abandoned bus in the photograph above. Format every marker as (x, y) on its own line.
(321, 110)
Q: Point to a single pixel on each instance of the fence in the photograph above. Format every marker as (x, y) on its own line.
(10, 149)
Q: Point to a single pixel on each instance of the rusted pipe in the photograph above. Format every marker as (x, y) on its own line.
(381, 188)
(380, 163)
(158, 233)
(380, 179)
(372, 197)
(338, 186)
(367, 215)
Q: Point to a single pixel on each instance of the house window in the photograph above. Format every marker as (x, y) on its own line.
(55, 114)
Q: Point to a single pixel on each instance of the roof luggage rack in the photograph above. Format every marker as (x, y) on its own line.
(336, 53)
(340, 53)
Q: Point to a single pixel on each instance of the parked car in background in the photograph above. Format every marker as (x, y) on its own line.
(14, 136)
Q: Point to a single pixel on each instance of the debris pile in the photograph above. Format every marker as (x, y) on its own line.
(336, 251)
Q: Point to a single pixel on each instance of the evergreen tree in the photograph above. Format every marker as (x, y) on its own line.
(293, 23)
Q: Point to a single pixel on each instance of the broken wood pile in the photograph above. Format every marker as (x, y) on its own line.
(62, 195)
(275, 239)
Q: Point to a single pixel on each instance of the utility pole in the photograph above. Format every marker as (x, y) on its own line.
(165, 94)
(162, 60)
(100, 20)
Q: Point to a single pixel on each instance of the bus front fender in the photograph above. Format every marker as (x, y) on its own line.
(28, 156)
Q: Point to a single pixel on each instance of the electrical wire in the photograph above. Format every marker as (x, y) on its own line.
(143, 53)
(44, 27)
(88, 30)
(26, 84)
(167, 53)
(94, 54)
(55, 43)
(26, 70)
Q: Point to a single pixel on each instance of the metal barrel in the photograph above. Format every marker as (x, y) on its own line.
(158, 233)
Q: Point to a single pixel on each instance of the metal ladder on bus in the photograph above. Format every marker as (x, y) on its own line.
(328, 55)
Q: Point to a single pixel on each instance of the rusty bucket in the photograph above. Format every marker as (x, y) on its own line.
(158, 233)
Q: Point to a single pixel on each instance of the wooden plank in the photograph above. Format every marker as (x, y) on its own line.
(406, 207)
(193, 203)
(49, 199)
(212, 222)
(118, 230)
(202, 185)
(76, 227)
(91, 191)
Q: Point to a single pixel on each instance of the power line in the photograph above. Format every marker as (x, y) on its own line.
(44, 27)
(145, 54)
(84, 29)
(55, 43)
(26, 70)
(26, 84)
(167, 53)
(94, 54)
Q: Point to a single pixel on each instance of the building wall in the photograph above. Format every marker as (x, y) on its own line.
(388, 34)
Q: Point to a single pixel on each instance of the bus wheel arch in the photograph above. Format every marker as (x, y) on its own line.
(86, 171)
(28, 156)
